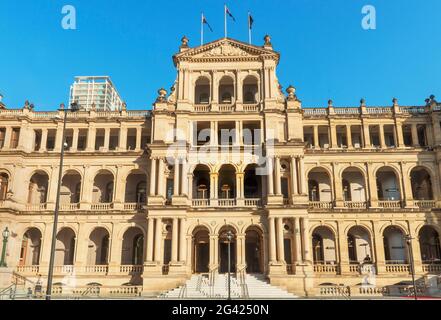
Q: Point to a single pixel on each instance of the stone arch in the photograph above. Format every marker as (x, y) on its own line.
(394, 245)
(98, 246)
(65, 246)
(324, 245)
(355, 189)
(320, 185)
(133, 246)
(388, 182)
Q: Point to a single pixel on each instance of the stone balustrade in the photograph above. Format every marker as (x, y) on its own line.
(326, 268)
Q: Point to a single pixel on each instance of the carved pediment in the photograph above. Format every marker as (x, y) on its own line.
(225, 50)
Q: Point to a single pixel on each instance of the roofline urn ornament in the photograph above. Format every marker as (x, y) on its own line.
(291, 91)
(162, 93)
(184, 42)
(267, 40)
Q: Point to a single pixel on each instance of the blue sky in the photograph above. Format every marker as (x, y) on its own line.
(325, 52)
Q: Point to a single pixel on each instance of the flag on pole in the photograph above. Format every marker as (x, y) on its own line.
(250, 25)
(229, 13)
(204, 21)
(250, 21)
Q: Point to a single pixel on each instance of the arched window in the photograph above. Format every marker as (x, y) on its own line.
(347, 190)
(314, 194)
(4, 180)
(109, 192)
(204, 98)
(226, 97)
(249, 97)
(141, 191)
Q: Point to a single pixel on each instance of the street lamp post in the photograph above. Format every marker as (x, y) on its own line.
(229, 235)
(5, 242)
(412, 264)
(73, 108)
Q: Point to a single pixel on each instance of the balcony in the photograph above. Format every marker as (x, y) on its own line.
(225, 203)
(251, 107)
(397, 267)
(131, 269)
(355, 204)
(69, 207)
(36, 207)
(101, 206)
(389, 204)
(431, 268)
(202, 108)
(28, 270)
(362, 268)
(320, 205)
(133, 206)
(98, 270)
(325, 267)
(226, 107)
(424, 204)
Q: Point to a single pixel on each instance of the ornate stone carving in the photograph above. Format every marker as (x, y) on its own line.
(226, 50)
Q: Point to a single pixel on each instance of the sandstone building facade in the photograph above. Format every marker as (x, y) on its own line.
(313, 196)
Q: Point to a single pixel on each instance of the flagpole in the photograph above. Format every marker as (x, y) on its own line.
(249, 26)
(202, 29)
(225, 16)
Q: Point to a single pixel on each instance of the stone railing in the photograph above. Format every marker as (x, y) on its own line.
(48, 115)
(320, 205)
(362, 268)
(397, 267)
(28, 269)
(68, 269)
(69, 206)
(200, 202)
(227, 202)
(226, 107)
(101, 206)
(389, 204)
(133, 206)
(379, 110)
(355, 204)
(202, 107)
(97, 291)
(334, 291)
(350, 110)
(251, 107)
(413, 110)
(326, 268)
(103, 269)
(424, 204)
(36, 207)
(315, 111)
(131, 269)
(253, 202)
(432, 268)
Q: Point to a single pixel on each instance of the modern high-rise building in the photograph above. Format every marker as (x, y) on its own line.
(95, 91)
(328, 201)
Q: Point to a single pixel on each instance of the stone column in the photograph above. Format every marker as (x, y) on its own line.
(158, 241)
(122, 139)
(91, 137)
(176, 178)
(272, 240)
(366, 136)
(138, 139)
(349, 136)
(182, 242)
(343, 249)
(150, 239)
(399, 135)
(316, 137)
(379, 248)
(298, 241)
(240, 185)
(8, 135)
(213, 134)
(161, 178)
(415, 141)
(372, 185)
(174, 257)
(382, 140)
(184, 175)
(75, 139)
(280, 241)
(306, 241)
(294, 185)
(302, 176)
(338, 186)
(43, 143)
(190, 186)
(152, 177)
(106, 138)
(213, 252)
(334, 142)
(59, 137)
(406, 191)
(270, 177)
(416, 248)
(214, 185)
(278, 183)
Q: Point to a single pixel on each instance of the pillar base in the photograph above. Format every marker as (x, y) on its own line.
(300, 199)
(275, 199)
(156, 201)
(152, 269)
(177, 268)
(277, 268)
(179, 201)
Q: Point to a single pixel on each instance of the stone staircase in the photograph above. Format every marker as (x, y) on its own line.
(216, 287)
